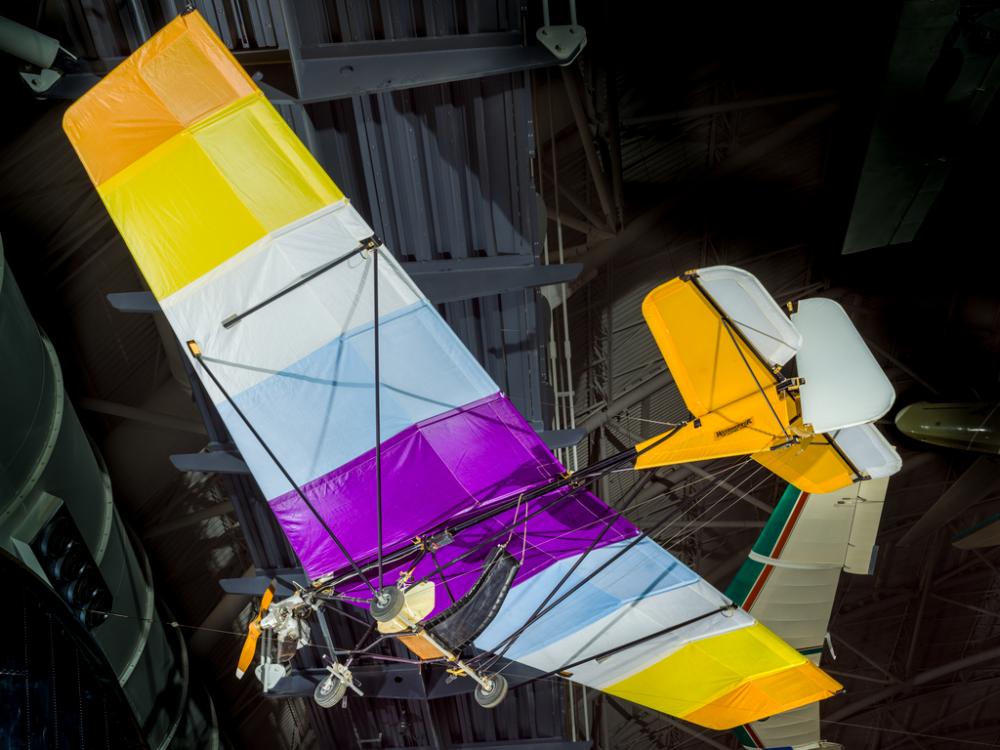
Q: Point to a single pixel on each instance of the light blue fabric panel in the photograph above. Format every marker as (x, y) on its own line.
(319, 413)
(645, 570)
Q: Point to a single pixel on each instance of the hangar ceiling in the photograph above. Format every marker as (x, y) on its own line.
(704, 136)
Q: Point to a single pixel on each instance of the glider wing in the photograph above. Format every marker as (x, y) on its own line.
(256, 256)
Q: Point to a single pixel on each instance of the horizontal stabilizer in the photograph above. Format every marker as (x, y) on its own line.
(843, 384)
(812, 464)
(868, 451)
(825, 463)
(746, 426)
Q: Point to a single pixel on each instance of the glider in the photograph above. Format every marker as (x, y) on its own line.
(405, 481)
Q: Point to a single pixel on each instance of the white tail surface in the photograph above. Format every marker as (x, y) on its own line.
(868, 450)
(844, 385)
(748, 305)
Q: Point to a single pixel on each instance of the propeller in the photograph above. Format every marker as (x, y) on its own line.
(253, 633)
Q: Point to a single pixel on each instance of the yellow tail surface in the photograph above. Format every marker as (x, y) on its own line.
(732, 395)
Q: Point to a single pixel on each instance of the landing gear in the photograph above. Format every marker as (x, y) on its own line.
(492, 696)
(387, 603)
(330, 692)
(333, 688)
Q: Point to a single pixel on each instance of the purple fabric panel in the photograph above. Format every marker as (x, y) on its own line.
(442, 469)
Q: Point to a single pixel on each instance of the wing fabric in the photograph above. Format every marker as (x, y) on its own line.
(791, 578)
(227, 214)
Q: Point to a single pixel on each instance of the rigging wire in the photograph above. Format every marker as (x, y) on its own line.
(198, 355)
(378, 417)
(507, 642)
(555, 589)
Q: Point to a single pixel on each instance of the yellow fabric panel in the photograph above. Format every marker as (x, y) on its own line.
(212, 190)
(813, 465)
(745, 426)
(767, 696)
(179, 216)
(265, 163)
(711, 367)
(705, 677)
(181, 75)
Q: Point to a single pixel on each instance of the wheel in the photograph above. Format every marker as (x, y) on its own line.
(329, 692)
(494, 696)
(388, 603)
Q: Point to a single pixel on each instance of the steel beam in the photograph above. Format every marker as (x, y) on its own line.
(627, 400)
(556, 439)
(220, 509)
(587, 139)
(134, 302)
(157, 419)
(441, 280)
(924, 677)
(725, 107)
(468, 278)
(604, 251)
(211, 462)
(338, 71)
(255, 585)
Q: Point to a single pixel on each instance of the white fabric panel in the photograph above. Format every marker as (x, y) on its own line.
(636, 620)
(747, 303)
(603, 582)
(822, 529)
(292, 327)
(796, 604)
(867, 516)
(868, 450)
(844, 385)
(796, 601)
(798, 729)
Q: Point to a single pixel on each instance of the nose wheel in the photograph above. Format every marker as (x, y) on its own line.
(330, 692)
(493, 694)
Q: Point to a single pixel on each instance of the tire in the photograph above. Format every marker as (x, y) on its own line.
(392, 606)
(495, 695)
(329, 692)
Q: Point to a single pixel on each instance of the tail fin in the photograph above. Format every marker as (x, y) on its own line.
(727, 384)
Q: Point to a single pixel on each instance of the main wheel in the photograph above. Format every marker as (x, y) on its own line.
(330, 692)
(388, 603)
(494, 696)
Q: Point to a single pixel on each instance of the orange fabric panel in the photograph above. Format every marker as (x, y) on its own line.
(766, 696)
(710, 363)
(180, 76)
(745, 426)
(813, 465)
